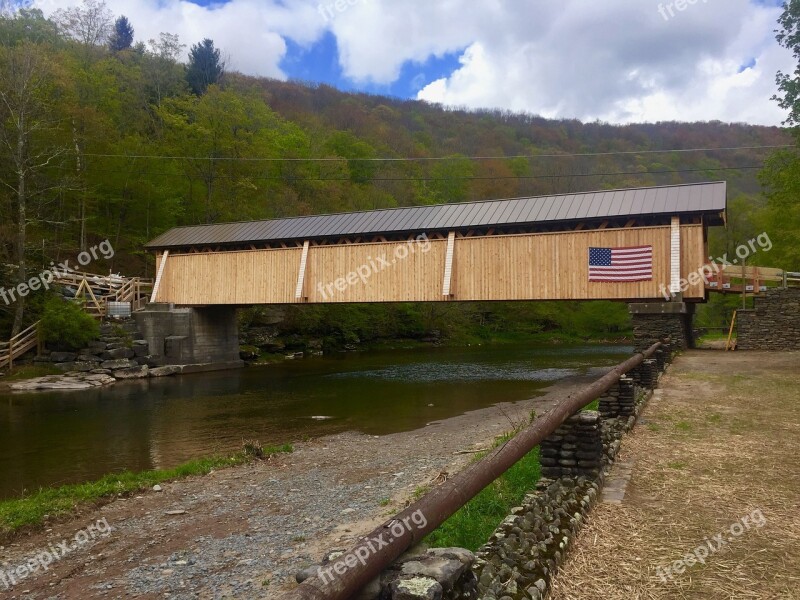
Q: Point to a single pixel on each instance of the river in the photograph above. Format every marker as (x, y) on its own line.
(67, 437)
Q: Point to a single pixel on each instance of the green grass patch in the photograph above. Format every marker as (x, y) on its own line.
(595, 405)
(683, 426)
(30, 372)
(715, 336)
(30, 510)
(471, 526)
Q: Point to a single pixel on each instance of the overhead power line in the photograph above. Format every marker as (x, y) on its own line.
(440, 158)
(289, 178)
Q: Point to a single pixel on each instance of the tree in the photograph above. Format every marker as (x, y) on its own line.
(788, 36)
(206, 66)
(781, 177)
(29, 102)
(164, 74)
(122, 36)
(89, 24)
(26, 24)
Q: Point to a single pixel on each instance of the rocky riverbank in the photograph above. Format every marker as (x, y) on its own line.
(244, 532)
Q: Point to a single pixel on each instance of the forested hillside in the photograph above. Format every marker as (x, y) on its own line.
(105, 136)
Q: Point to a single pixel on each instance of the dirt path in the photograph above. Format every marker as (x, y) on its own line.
(715, 477)
(246, 531)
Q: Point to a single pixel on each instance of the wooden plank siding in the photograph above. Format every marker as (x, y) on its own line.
(694, 255)
(231, 278)
(415, 278)
(550, 266)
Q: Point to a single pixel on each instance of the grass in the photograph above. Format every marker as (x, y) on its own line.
(716, 336)
(30, 372)
(472, 525)
(30, 511)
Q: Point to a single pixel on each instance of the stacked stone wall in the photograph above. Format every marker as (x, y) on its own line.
(651, 328)
(774, 324)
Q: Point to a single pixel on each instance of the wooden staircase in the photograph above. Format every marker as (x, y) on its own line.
(96, 291)
(19, 345)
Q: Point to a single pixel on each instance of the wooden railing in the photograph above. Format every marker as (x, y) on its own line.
(20, 344)
(136, 291)
(98, 290)
(750, 280)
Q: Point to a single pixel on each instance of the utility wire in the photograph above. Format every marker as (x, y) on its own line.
(289, 178)
(442, 158)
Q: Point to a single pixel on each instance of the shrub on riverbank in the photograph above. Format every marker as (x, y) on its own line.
(66, 326)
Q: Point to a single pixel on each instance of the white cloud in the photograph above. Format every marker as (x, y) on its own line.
(615, 60)
(621, 61)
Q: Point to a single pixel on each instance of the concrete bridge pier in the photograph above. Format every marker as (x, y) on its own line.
(654, 321)
(204, 338)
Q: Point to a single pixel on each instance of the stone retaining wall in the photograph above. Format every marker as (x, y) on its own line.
(524, 553)
(620, 400)
(649, 328)
(119, 354)
(774, 324)
(575, 449)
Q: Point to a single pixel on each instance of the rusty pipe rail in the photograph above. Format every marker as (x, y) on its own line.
(439, 504)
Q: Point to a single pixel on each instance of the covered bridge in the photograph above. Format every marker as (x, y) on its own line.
(629, 244)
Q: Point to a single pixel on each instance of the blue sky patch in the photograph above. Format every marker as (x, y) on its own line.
(320, 63)
(748, 65)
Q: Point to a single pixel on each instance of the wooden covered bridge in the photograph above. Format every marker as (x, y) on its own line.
(620, 245)
(636, 245)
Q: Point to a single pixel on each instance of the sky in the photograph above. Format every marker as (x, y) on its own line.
(618, 61)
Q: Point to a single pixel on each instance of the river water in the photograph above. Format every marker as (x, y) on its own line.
(58, 438)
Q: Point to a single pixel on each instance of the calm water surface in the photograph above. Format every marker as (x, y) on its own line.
(56, 438)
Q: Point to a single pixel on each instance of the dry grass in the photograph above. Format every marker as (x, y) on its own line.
(715, 447)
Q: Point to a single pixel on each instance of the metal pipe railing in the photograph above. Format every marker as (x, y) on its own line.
(441, 503)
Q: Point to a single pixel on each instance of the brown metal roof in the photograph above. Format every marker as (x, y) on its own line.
(700, 198)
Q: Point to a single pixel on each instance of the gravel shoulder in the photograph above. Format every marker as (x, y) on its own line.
(243, 532)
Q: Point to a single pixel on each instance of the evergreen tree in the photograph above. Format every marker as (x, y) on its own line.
(122, 36)
(206, 66)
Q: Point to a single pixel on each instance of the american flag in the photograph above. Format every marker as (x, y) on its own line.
(614, 265)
